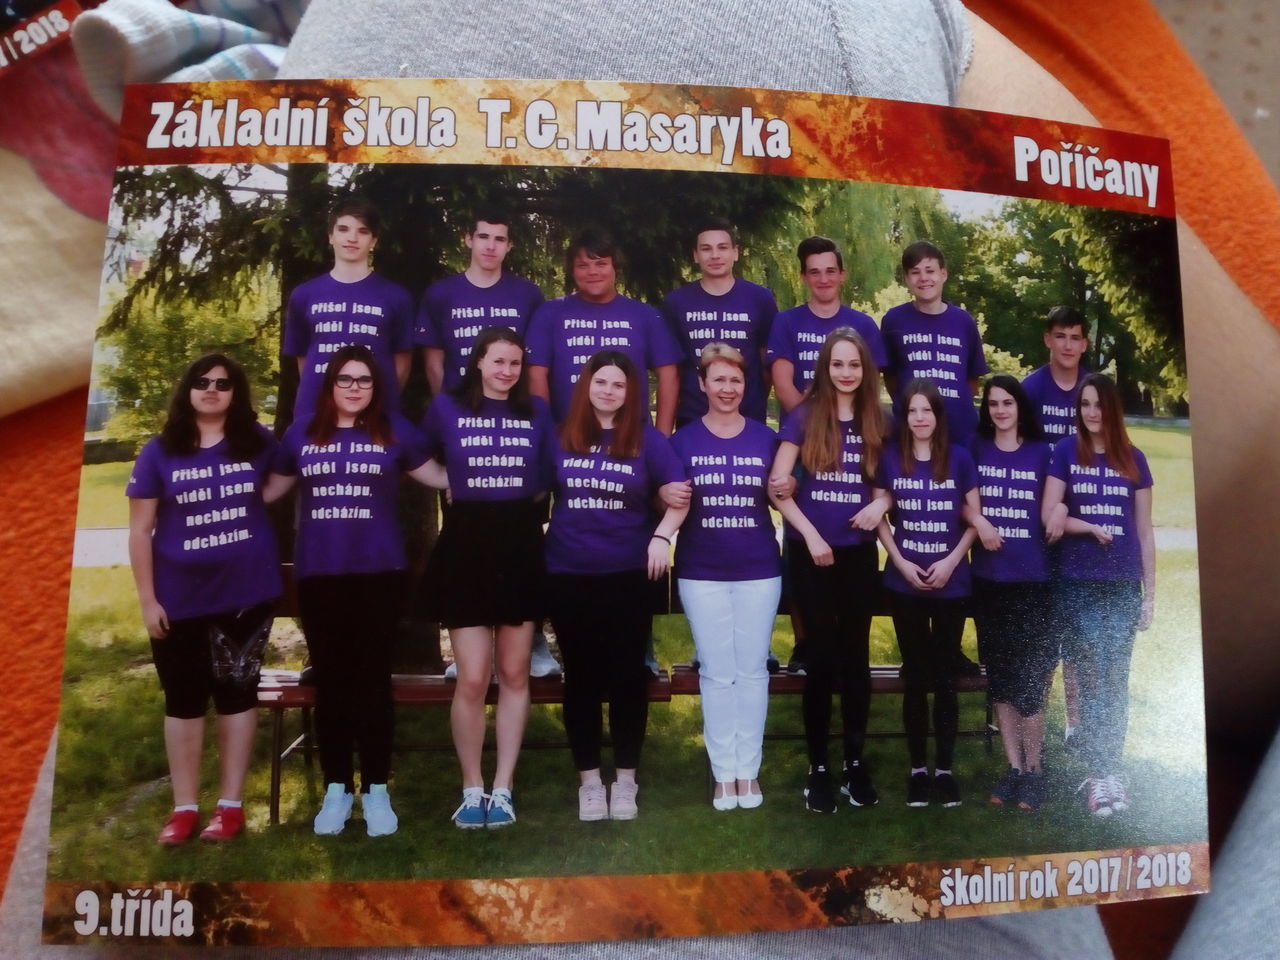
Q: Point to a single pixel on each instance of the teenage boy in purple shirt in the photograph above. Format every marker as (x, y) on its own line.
(934, 340)
(799, 333)
(568, 330)
(721, 308)
(349, 304)
(454, 310)
(1053, 388)
(1053, 391)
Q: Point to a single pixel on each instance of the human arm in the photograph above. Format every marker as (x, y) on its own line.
(660, 543)
(913, 573)
(784, 373)
(302, 362)
(676, 495)
(539, 384)
(1147, 544)
(277, 485)
(431, 473)
(869, 517)
(433, 358)
(784, 461)
(668, 392)
(142, 523)
(403, 361)
(988, 535)
(940, 571)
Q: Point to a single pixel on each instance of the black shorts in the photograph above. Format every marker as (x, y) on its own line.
(487, 567)
(218, 656)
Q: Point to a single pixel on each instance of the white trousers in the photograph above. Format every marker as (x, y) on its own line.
(732, 624)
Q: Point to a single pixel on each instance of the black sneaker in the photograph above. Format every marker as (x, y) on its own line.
(772, 665)
(857, 786)
(962, 666)
(1007, 790)
(817, 792)
(946, 789)
(918, 789)
(796, 667)
(1031, 791)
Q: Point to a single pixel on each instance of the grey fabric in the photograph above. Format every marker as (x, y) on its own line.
(904, 50)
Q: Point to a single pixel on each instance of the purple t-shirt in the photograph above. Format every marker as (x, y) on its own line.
(325, 314)
(741, 318)
(1055, 407)
(927, 518)
(567, 331)
(454, 311)
(1011, 488)
(829, 500)
(729, 534)
(1100, 495)
(491, 454)
(348, 496)
(798, 335)
(602, 518)
(945, 348)
(213, 550)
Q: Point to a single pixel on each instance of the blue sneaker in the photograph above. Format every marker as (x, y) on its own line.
(501, 813)
(470, 814)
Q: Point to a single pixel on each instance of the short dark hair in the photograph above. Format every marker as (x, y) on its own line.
(595, 243)
(1060, 318)
(358, 207)
(499, 218)
(922, 250)
(715, 223)
(813, 245)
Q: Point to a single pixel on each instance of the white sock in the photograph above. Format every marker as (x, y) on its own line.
(222, 802)
(183, 807)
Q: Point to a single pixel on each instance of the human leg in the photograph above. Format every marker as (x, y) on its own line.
(754, 604)
(323, 609)
(473, 654)
(568, 599)
(513, 643)
(946, 630)
(708, 605)
(380, 600)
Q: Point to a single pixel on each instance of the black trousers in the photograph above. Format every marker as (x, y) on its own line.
(929, 631)
(350, 622)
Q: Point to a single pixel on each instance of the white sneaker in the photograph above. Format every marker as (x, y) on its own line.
(541, 662)
(379, 819)
(1118, 794)
(335, 811)
(451, 672)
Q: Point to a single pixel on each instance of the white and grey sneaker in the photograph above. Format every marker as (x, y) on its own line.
(335, 811)
(541, 662)
(379, 819)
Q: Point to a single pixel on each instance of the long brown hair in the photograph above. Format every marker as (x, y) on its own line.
(372, 418)
(1116, 446)
(823, 436)
(939, 446)
(470, 389)
(180, 433)
(581, 429)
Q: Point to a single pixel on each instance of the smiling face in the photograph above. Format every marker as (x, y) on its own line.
(352, 399)
(489, 244)
(209, 401)
(921, 420)
(1003, 409)
(925, 281)
(1091, 411)
(1066, 346)
(824, 277)
(500, 369)
(724, 385)
(715, 254)
(352, 240)
(594, 277)
(607, 392)
(845, 367)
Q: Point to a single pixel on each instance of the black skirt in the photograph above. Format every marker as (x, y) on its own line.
(487, 567)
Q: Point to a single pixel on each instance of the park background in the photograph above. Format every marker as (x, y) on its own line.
(202, 258)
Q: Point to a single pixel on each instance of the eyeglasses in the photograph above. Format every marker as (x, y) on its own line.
(221, 384)
(346, 381)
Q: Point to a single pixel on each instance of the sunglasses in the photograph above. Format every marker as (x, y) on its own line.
(221, 384)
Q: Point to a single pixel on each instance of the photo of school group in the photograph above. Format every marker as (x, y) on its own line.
(860, 430)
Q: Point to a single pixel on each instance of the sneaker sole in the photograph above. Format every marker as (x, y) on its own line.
(625, 815)
(469, 826)
(917, 803)
(592, 817)
(953, 803)
(499, 825)
(844, 792)
(812, 809)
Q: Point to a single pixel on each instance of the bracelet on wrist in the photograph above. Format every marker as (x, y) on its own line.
(658, 536)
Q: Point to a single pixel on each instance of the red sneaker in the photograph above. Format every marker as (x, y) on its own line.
(180, 827)
(226, 823)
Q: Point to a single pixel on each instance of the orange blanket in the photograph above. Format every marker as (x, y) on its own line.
(1119, 59)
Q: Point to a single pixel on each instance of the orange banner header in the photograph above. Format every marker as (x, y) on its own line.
(628, 125)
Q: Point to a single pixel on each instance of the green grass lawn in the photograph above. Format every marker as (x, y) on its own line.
(112, 795)
(102, 499)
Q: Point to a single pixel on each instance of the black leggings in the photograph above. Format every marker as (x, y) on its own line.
(929, 631)
(601, 623)
(218, 656)
(350, 621)
(835, 605)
